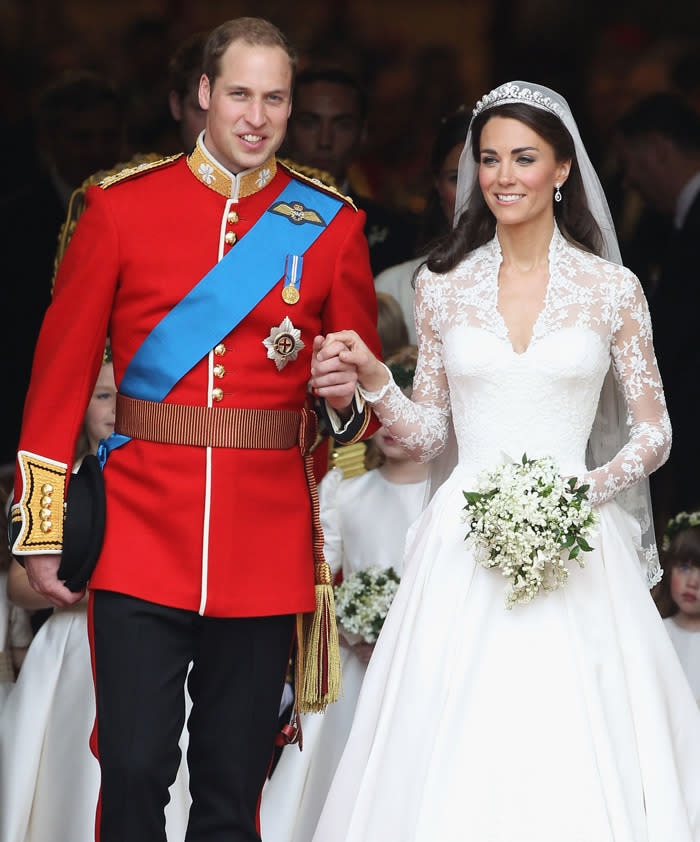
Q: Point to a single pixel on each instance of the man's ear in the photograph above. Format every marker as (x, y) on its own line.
(175, 106)
(364, 134)
(204, 93)
(663, 147)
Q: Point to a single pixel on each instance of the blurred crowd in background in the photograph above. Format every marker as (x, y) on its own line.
(84, 86)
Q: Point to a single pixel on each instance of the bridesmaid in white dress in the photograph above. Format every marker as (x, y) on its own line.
(49, 778)
(365, 520)
(568, 718)
(15, 626)
(15, 637)
(678, 594)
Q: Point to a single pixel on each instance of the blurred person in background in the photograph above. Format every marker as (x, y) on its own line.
(437, 217)
(660, 155)
(183, 97)
(327, 130)
(79, 128)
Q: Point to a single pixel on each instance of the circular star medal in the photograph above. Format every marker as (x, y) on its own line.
(290, 294)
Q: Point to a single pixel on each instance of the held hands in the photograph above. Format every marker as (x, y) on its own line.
(331, 378)
(341, 360)
(42, 572)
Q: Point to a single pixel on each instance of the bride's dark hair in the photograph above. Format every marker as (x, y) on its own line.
(478, 225)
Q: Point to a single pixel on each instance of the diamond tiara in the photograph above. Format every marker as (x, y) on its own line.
(514, 93)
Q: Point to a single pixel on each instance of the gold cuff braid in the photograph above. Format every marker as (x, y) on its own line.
(41, 505)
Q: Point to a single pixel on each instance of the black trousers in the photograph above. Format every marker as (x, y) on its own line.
(141, 654)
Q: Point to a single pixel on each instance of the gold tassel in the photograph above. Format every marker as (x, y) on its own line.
(319, 677)
(318, 671)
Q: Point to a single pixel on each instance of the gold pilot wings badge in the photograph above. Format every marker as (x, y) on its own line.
(284, 343)
(298, 213)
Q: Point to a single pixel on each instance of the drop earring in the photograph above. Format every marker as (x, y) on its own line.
(557, 194)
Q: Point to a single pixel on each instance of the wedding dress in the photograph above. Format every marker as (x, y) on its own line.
(365, 519)
(567, 718)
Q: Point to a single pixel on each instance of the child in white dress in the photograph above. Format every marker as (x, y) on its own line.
(15, 626)
(365, 520)
(49, 779)
(678, 593)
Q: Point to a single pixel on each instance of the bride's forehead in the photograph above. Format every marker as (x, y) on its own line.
(507, 130)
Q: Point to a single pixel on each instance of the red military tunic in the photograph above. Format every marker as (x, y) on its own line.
(221, 531)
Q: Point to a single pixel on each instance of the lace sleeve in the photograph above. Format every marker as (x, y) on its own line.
(419, 423)
(637, 375)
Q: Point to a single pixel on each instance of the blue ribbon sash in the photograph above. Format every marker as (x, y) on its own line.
(224, 296)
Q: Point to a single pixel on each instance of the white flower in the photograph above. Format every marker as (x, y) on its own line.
(362, 601)
(207, 173)
(682, 521)
(527, 520)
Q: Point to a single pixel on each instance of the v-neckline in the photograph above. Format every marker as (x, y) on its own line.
(545, 300)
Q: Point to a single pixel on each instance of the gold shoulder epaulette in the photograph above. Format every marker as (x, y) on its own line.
(139, 169)
(77, 200)
(317, 178)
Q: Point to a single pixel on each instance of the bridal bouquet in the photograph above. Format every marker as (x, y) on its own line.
(528, 520)
(362, 602)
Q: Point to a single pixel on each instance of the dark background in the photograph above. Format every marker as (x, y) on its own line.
(419, 60)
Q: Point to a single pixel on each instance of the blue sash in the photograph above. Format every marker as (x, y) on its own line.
(224, 296)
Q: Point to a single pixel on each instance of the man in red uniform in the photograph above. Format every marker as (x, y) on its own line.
(213, 274)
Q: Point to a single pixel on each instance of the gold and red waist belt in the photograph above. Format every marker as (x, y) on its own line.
(207, 426)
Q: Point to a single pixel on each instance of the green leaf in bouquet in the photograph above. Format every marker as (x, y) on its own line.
(583, 488)
(570, 539)
(574, 552)
(585, 546)
(472, 497)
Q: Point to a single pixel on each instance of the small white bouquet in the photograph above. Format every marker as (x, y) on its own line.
(528, 520)
(362, 601)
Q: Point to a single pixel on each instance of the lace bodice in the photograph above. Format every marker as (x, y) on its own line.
(543, 401)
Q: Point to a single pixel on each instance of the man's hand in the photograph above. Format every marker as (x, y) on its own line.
(42, 572)
(331, 378)
(352, 351)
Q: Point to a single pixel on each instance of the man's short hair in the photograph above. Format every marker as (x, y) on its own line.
(335, 76)
(185, 66)
(256, 32)
(669, 115)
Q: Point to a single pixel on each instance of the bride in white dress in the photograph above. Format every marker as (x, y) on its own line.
(568, 719)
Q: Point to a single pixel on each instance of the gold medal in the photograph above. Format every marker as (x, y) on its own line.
(290, 294)
(292, 278)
